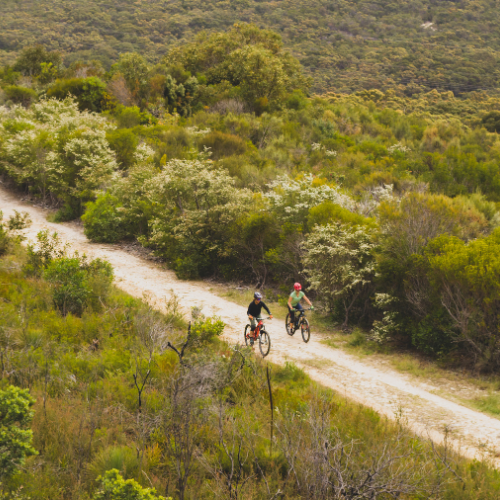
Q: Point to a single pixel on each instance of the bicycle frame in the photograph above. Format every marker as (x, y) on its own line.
(256, 332)
(258, 328)
(302, 313)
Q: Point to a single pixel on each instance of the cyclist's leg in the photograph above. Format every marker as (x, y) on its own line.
(292, 316)
(253, 324)
(300, 308)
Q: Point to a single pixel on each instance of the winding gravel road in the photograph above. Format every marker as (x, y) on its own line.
(386, 391)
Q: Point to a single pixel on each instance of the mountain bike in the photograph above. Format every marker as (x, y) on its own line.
(300, 322)
(259, 334)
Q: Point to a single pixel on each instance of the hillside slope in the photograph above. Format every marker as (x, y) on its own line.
(346, 45)
(389, 393)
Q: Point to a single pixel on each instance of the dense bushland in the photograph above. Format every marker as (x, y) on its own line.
(412, 46)
(215, 159)
(125, 402)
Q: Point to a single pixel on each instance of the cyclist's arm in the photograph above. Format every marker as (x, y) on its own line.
(266, 308)
(290, 302)
(307, 300)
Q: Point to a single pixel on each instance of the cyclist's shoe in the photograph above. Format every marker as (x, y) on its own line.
(251, 341)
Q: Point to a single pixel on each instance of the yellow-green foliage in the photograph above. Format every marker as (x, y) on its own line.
(328, 212)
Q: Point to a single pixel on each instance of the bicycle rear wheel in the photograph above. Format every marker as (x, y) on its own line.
(264, 343)
(247, 332)
(289, 330)
(304, 329)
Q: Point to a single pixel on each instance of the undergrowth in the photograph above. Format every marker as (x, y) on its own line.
(196, 421)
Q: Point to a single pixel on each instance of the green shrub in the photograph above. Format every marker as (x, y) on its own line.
(103, 221)
(77, 283)
(491, 121)
(124, 143)
(15, 436)
(88, 92)
(328, 212)
(222, 144)
(114, 487)
(206, 331)
(433, 335)
(47, 248)
(132, 116)
(20, 95)
(70, 291)
(69, 211)
(8, 230)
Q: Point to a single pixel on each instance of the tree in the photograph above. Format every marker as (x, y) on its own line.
(340, 265)
(467, 279)
(491, 121)
(136, 72)
(15, 436)
(30, 60)
(78, 283)
(195, 203)
(114, 487)
(124, 143)
(250, 59)
(88, 92)
(59, 152)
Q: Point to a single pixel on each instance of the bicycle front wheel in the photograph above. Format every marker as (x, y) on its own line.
(304, 329)
(264, 343)
(247, 333)
(289, 330)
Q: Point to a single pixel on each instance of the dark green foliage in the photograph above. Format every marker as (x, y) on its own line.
(124, 143)
(433, 335)
(69, 211)
(89, 92)
(251, 60)
(77, 283)
(103, 221)
(16, 436)
(32, 59)
(491, 121)
(129, 117)
(20, 95)
(70, 286)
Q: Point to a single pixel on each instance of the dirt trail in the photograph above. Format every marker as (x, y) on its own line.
(386, 391)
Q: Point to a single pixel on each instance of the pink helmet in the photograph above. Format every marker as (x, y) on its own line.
(297, 286)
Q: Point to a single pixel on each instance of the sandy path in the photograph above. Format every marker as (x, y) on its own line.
(384, 390)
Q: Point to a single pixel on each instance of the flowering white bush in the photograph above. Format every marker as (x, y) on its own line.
(195, 204)
(316, 146)
(339, 264)
(398, 147)
(56, 150)
(374, 197)
(293, 198)
(196, 131)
